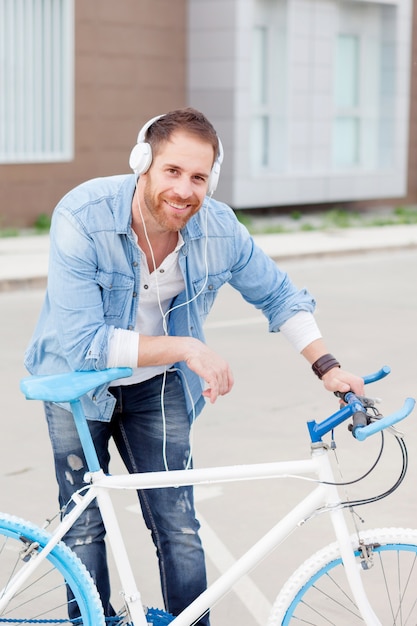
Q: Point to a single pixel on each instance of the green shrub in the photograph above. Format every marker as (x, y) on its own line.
(42, 223)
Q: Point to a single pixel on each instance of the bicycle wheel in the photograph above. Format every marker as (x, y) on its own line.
(43, 597)
(318, 592)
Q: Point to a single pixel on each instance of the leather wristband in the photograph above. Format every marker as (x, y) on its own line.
(324, 364)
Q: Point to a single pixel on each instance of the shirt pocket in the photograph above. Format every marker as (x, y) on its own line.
(206, 290)
(116, 293)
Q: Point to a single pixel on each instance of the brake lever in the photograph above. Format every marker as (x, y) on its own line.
(365, 400)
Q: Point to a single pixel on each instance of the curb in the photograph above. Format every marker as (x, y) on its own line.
(28, 256)
(22, 284)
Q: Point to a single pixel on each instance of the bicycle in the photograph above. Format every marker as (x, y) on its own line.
(368, 577)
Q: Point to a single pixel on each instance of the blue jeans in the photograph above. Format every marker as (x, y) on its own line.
(137, 429)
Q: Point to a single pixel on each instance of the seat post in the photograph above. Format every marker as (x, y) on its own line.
(85, 436)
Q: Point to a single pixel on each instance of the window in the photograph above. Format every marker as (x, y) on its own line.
(346, 131)
(36, 80)
(259, 82)
(268, 86)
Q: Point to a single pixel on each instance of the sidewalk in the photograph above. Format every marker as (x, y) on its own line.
(24, 259)
(334, 242)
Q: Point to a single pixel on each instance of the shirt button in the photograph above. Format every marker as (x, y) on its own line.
(162, 271)
(210, 287)
(134, 294)
(135, 264)
(146, 286)
(130, 327)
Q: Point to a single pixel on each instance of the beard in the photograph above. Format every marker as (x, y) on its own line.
(157, 206)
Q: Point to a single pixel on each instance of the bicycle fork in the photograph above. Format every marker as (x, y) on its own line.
(33, 556)
(353, 571)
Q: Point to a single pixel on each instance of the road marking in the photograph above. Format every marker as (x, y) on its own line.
(246, 321)
(245, 589)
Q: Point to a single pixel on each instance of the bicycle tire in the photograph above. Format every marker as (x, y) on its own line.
(318, 593)
(43, 598)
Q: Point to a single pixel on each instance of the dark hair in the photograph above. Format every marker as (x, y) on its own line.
(187, 119)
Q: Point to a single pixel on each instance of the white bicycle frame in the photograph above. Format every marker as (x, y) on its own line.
(322, 495)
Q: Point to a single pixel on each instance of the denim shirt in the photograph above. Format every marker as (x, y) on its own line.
(94, 283)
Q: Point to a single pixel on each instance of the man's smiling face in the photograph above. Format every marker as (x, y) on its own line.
(176, 183)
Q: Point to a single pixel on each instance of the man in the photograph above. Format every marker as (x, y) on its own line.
(136, 262)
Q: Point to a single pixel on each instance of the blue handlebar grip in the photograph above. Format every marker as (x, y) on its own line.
(363, 433)
(371, 378)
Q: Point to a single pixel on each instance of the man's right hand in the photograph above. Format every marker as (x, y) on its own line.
(211, 367)
(206, 363)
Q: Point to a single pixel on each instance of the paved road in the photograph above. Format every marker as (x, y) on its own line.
(367, 311)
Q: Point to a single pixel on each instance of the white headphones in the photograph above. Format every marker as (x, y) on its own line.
(141, 157)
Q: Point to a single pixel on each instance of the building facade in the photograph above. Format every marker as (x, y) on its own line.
(312, 97)
(315, 100)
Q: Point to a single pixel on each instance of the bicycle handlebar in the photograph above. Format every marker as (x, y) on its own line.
(385, 422)
(381, 373)
(361, 428)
